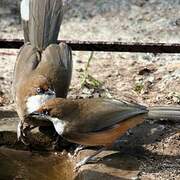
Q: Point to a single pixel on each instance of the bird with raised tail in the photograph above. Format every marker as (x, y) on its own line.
(98, 122)
(43, 68)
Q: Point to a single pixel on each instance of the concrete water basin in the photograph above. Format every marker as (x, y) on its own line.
(18, 164)
(148, 151)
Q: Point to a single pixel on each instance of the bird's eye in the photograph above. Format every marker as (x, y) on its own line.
(46, 112)
(39, 90)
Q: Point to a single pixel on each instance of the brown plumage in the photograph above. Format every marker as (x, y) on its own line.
(88, 118)
(93, 122)
(43, 68)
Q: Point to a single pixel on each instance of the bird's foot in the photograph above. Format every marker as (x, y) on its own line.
(79, 148)
(81, 163)
(86, 160)
(22, 133)
(89, 159)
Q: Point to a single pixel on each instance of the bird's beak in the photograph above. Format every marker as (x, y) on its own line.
(38, 116)
(50, 92)
(36, 113)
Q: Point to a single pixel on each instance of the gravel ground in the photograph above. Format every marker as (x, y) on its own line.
(149, 79)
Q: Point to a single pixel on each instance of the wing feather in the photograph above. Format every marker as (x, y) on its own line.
(27, 60)
(56, 64)
(98, 114)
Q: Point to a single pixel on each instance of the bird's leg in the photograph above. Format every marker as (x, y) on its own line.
(79, 148)
(91, 158)
(55, 143)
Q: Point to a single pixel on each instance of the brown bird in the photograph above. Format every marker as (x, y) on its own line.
(98, 122)
(43, 68)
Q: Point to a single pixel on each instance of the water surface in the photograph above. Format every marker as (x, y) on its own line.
(16, 164)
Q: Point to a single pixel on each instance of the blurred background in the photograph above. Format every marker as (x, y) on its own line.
(125, 20)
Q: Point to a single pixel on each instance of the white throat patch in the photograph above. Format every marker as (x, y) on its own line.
(59, 125)
(35, 102)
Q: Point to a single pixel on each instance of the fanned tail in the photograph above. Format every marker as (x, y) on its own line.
(41, 21)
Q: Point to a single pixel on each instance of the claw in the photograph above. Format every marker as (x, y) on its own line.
(79, 148)
(88, 159)
(82, 162)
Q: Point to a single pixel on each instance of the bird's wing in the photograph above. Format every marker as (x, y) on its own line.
(99, 114)
(56, 65)
(27, 60)
(42, 22)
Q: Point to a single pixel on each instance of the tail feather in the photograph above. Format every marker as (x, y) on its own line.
(42, 24)
(171, 113)
(25, 10)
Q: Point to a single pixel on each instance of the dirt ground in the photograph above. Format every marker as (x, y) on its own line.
(149, 79)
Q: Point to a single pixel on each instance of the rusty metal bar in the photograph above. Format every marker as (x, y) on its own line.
(105, 46)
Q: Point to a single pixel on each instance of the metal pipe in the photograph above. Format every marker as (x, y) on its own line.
(105, 46)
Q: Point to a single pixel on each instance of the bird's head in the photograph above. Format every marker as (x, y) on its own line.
(40, 90)
(50, 112)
